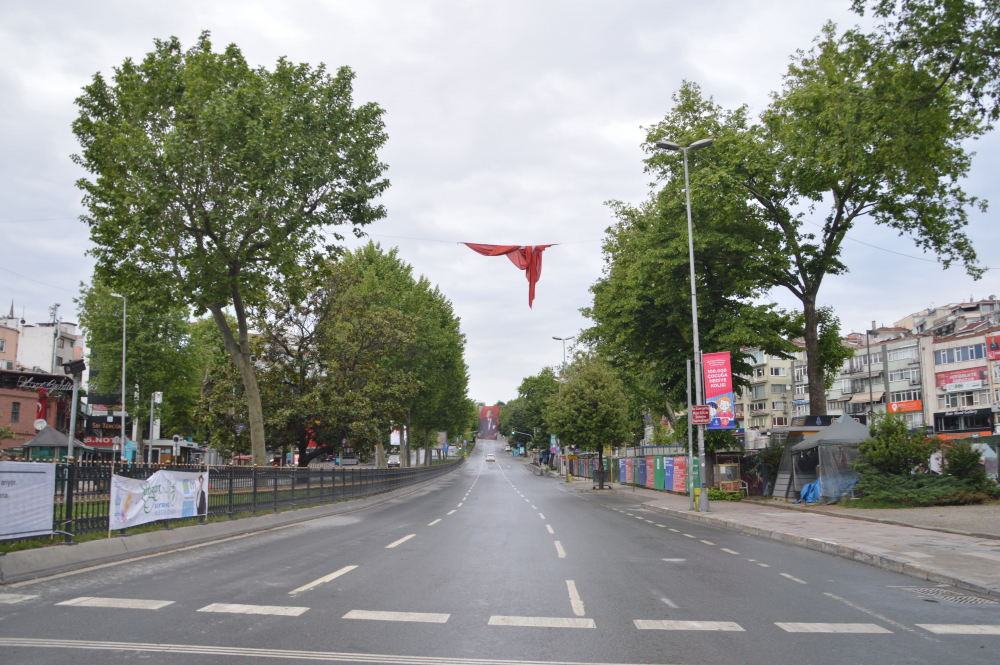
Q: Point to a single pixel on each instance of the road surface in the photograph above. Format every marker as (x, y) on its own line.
(493, 564)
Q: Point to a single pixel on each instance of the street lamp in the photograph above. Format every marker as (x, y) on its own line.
(122, 437)
(564, 340)
(699, 395)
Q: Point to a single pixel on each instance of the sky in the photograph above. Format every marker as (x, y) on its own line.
(509, 123)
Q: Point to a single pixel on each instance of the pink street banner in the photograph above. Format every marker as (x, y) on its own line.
(719, 389)
(680, 474)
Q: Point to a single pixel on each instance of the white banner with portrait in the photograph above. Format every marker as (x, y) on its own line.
(165, 495)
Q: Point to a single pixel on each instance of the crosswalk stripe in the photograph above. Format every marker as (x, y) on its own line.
(124, 603)
(832, 628)
(960, 628)
(276, 610)
(728, 626)
(322, 580)
(11, 598)
(400, 541)
(541, 622)
(420, 617)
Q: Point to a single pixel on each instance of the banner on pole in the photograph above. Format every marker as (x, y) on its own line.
(164, 495)
(719, 389)
(26, 491)
(489, 418)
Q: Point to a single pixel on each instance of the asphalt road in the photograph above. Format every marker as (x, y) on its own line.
(492, 564)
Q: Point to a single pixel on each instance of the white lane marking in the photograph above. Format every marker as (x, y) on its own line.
(549, 527)
(832, 628)
(274, 610)
(534, 508)
(650, 521)
(526, 501)
(460, 505)
(541, 622)
(574, 598)
(126, 603)
(451, 512)
(669, 603)
(421, 617)
(688, 625)
(434, 522)
(542, 516)
(883, 619)
(726, 549)
(763, 565)
(560, 550)
(630, 514)
(675, 560)
(323, 580)
(661, 526)
(11, 598)
(794, 579)
(707, 542)
(674, 530)
(960, 628)
(688, 535)
(400, 541)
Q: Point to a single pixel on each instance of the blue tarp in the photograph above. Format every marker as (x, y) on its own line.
(811, 493)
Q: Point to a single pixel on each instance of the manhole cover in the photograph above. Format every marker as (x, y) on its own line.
(948, 595)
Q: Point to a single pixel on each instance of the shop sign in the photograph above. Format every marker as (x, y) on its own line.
(29, 383)
(909, 405)
(962, 379)
(966, 412)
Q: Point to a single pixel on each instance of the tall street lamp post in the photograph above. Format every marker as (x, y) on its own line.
(699, 394)
(121, 439)
(563, 372)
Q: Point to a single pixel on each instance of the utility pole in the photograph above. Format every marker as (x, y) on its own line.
(871, 390)
(76, 368)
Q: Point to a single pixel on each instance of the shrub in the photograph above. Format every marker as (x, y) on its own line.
(892, 450)
(715, 494)
(923, 490)
(963, 461)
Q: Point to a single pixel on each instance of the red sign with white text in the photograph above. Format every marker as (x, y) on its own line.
(701, 415)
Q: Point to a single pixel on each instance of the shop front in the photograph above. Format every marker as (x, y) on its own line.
(962, 423)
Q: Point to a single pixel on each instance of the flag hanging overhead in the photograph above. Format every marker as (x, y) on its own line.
(526, 257)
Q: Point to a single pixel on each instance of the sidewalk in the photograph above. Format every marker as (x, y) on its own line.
(962, 560)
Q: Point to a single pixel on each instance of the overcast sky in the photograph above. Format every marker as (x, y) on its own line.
(509, 122)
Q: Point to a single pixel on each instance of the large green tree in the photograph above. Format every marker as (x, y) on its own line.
(214, 182)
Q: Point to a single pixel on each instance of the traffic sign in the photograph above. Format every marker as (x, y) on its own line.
(700, 415)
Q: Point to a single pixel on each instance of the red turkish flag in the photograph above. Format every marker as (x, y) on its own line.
(526, 257)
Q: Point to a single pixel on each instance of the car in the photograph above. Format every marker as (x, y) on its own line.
(506, 449)
(393, 462)
(490, 457)
(349, 460)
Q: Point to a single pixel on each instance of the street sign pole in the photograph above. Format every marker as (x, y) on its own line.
(690, 484)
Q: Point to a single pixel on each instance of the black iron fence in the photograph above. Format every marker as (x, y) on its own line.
(83, 494)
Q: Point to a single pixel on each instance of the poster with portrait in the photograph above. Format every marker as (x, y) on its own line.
(489, 419)
(993, 347)
(719, 390)
(164, 495)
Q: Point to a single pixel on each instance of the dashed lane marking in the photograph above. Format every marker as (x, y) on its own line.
(11, 598)
(763, 565)
(728, 626)
(674, 530)
(832, 628)
(726, 549)
(124, 603)
(460, 505)
(794, 579)
(400, 541)
(960, 628)
(420, 617)
(533, 508)
(669, 603)
(275, 610)
(560, 551)
(541, 622)
(574, 598)
(434, 522)
(708, 542)
(661, 526)
(650, 521)
(452, 512)
(549, 527)
(323, 580)
(675, 560)
(688, 535)
(542, 516)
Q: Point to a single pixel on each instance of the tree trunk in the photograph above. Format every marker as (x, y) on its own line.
(239, 351)
(380, 461)
(427, 447)
(817, 387)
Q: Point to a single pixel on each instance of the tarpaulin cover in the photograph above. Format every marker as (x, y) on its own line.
(526, 257)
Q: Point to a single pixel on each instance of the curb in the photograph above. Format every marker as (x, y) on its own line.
(31, 564)
(843, 551)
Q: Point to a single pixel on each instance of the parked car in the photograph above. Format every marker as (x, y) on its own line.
(349, 460)
(393, 462)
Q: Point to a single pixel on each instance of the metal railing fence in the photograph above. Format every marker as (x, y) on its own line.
(82, 494)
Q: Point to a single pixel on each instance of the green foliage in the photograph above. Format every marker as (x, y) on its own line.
(772, 458)
(6, 432)
(213, 182)
(832, 350)
(590, 411)
(716, 440)
(963, 461)
(715, 494)
(921, 490)
(893, 450)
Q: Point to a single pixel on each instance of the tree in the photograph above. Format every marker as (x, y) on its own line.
(850, 132)
(535, 393)
(214, 182)
(161, 356)
(893, 449)
(590, 411)
(832, 349)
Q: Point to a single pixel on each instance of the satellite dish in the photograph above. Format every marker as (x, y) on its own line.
(40, 424)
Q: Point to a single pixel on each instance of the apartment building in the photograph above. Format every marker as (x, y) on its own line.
(964, 388)
(767, 402)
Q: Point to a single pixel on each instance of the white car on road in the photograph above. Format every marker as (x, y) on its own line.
(490, 457)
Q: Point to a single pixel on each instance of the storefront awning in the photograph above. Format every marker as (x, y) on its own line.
(865, 397)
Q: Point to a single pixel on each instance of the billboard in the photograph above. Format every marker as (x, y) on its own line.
(489, 418)
(993, 347)
(164, 495)
(962, 379)
(719, 389)
(909, 405)
(26, 491)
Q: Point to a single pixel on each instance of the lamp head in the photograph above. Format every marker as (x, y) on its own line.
(701, 143)
(667, 145)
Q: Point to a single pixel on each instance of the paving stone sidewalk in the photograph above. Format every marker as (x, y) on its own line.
(966, 561)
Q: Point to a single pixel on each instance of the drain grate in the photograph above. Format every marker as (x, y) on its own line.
(948, 595)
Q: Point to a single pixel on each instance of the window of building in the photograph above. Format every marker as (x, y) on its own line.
(905, 353)
(61, 343)
(835, 405)
(962, 400)
(3, 345)
(800, 375)
(967, 422)
(904, 395)
(914, 419)
(779, 371)
(801, 390)
(758, 422)
(778, 388)
(801, 410)
(912, 374)
(757, 357)
(758, 406)
(758, 392)
(960, 354)
(758, 372)
(15, 412)
(777, 406)
(861, 360)
(780, 421)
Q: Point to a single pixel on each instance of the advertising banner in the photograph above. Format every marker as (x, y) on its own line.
(680, 474)
(164, 495)
(962, 379)
(489, 417)
(993, 347)
(650, 472)
(553, 445)
(27, 490)
(628, 470)
(909, 405)
(719, 389)
(668, 473)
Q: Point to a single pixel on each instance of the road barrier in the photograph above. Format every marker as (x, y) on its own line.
(82, 494)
